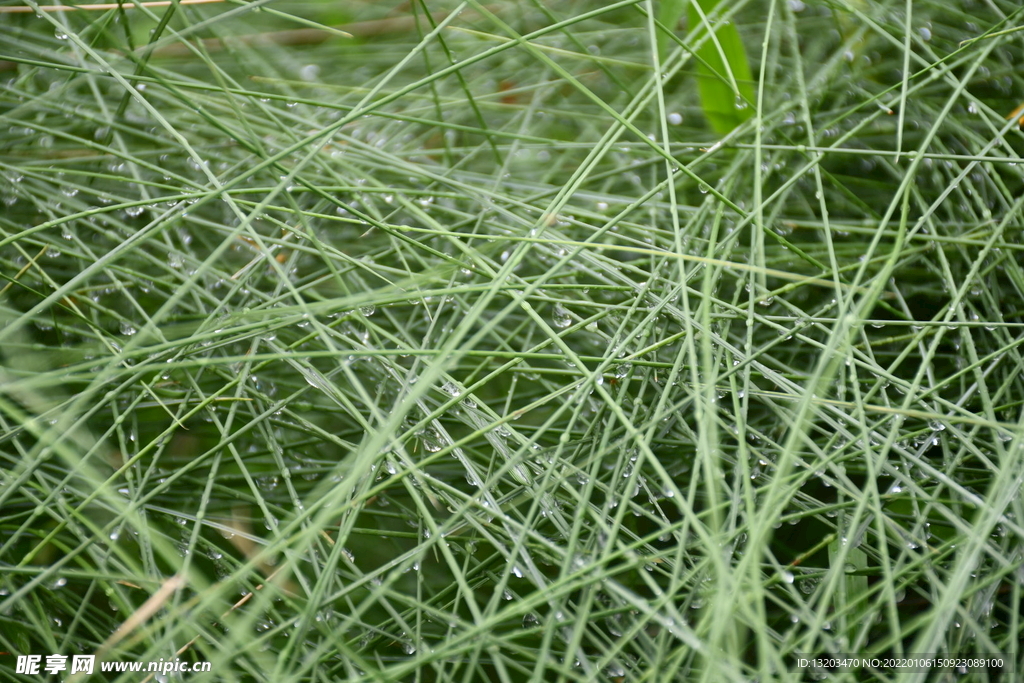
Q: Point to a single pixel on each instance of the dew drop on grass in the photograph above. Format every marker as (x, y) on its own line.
(675, 118)
(430, 441)
(561, 316)
(787, 576)
(530, 620)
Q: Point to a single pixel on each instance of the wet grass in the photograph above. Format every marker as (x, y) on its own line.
(465, 348)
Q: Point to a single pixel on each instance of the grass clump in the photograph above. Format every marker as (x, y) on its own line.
(464, 348)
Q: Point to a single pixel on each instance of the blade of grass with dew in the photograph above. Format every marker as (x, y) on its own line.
(848, 564)
(724, 79)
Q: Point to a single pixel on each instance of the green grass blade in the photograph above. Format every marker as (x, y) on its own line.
(724, 80)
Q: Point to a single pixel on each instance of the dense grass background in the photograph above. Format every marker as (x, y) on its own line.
(466, 349)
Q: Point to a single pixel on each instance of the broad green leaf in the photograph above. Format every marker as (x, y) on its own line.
(724, 82)
(669, 14)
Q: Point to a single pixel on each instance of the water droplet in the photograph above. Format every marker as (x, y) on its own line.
(808, 584)
(561, 316)
(675, 118)
(431, 441)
